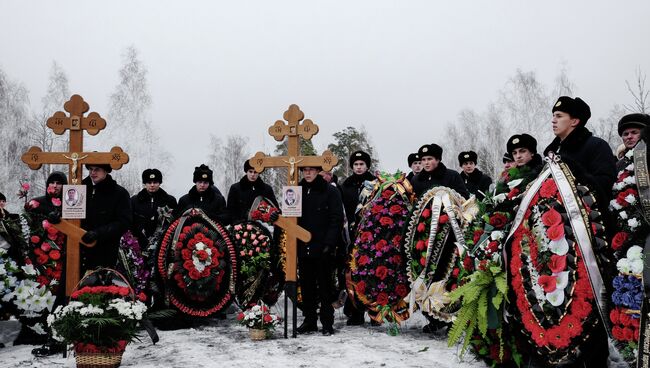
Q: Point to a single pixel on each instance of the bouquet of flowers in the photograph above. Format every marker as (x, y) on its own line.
(263, 211)
(132, 262)
(378, 265)
(627, 289)
(253, 244)
(101, 318)
(259, 317)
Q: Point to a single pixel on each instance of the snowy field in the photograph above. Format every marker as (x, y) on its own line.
(224, 343)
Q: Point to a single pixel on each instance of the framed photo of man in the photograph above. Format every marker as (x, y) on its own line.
(291, 201)
(74, 202)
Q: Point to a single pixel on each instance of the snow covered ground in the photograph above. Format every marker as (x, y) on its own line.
(224, 343)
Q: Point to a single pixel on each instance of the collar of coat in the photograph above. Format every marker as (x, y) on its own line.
(105, 185)
(258, 184)
(318, 184)
(571, 143)
(356, 180)
(437, 173)
(474, 177)
(143, 195)
(208, 194)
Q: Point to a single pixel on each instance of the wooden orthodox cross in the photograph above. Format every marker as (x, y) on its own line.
(75, 158)
(293, 161)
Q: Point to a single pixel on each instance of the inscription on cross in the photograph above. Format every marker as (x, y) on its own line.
(75, 158)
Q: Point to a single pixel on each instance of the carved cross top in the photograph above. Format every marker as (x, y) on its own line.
(293, 161)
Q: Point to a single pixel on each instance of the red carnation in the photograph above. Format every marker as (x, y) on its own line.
(455, 272)
(423, 261)
(548, 189)
(186, 254)
(42, 280)
(619, 239)
(240, 316)
(401, 290)
(467, 263)
(202, 255)
(381, 245)
(387, 194)
(366, 236)
(558, 337)
(382, 299)
(558, 263)
(477, 235)
(628, 334)
(188, 265)
(498, 220)
(617, 333)
(195, 274)
(397, 239)
(397, 259)
(376, 209)
(361, 287)
(42, 259)
(443, 219)
(555, 232)
(421, 227)
(386, 221)
(493, 246)
(513, 193)
(364, 260)
(614, 316)
(267, 318)
(395, 209)
(381, 272)
(426, 213)
(55, 254)
(551, 217)
(548, 283)
(421, 245)
(45, 247)
(35, 239)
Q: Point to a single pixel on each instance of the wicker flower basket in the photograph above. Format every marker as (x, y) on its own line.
(256, 334)
(98, 360)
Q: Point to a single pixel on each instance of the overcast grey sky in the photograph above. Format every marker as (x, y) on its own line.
(401, 68)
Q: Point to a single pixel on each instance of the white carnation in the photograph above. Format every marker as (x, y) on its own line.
(633, 223)
(630, 167)
(635, 252)
(629, 180)
(623, 265)
(623, 215)
(630, 199)
(615, 204)
(496, 235)
(636, 266)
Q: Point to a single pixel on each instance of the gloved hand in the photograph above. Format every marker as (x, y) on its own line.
(89, 237)
(54, 217)
(273, 217)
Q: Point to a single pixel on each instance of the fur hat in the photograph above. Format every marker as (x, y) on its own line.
(2, 197)
(57, 176)
(247, 166)
(106, 167)
(150, 175)
(360, 156)
(633, 120)
(575, 107)
(412, 158)
(522, 141)
(507, 157)
(203, 173)
(467, 156)
(432, 149)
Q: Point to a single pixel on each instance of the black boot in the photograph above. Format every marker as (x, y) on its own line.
(306, 327)
(328, 330)
(48, 349)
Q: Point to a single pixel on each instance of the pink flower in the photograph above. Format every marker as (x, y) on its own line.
(25, 186)
(56, 202)
(34, 204)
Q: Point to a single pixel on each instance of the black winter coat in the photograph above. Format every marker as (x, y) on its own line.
(145, 210)
(439, 177)
(242, 194)
(108, 213)
(211, 202)
(476, 183)
(322, 215)
(351, 189)
(591, 160)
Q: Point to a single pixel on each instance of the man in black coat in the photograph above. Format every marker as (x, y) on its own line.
(146, 203)
(242, 194)
(592, 162)
(108, 217)
(475, 180)
(53, 187)
(590, 158)
(435, 174)
(523, 148)
(204, 195)
(360, 163)
(629, 129)
(415, 164)
(322, 216)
